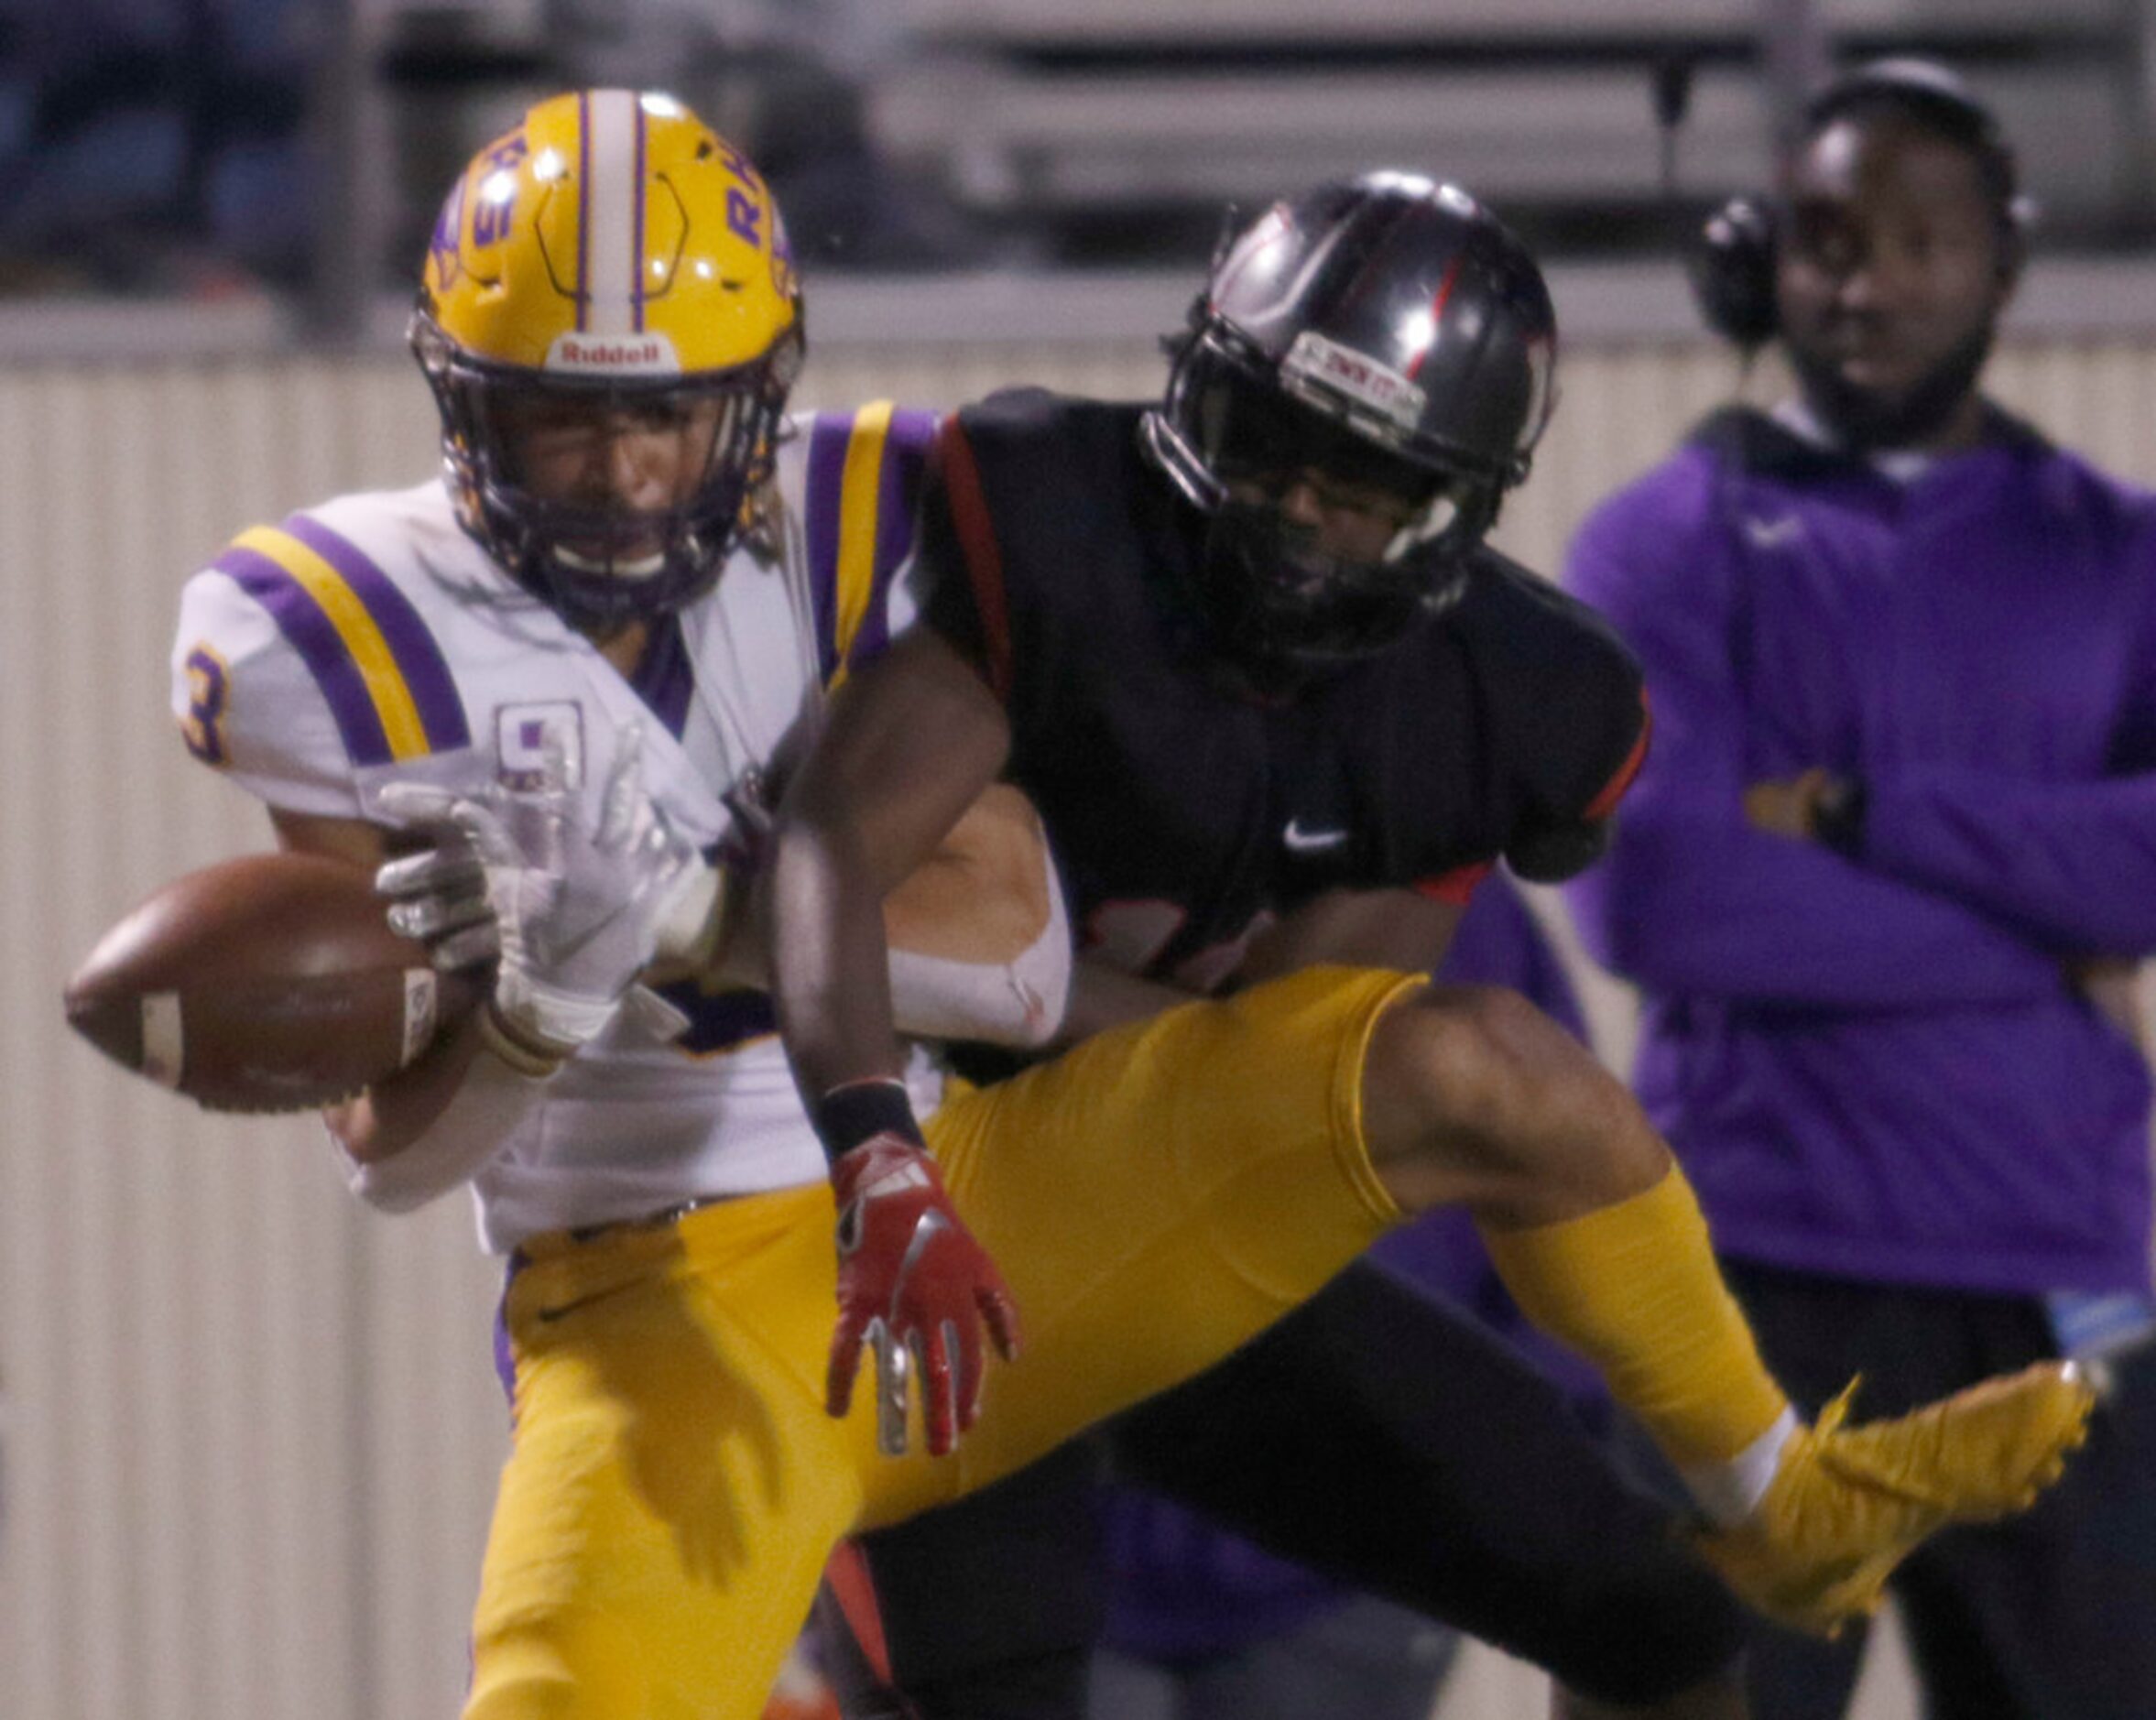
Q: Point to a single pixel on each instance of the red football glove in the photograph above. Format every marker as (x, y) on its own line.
(912, 1282)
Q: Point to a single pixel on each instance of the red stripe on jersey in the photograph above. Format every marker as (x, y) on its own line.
(1454, 887)
(854, 1591)
(976, 539)
(1605, 803)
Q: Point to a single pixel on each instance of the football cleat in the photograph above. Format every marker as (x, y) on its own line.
(1847, 1504)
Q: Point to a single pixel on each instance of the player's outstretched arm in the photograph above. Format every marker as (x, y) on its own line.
(913, 742)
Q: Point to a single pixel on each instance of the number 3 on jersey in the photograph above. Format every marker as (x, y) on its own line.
(202, 728)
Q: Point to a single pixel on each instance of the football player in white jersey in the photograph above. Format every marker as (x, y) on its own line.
(552, 618)
(566, 674)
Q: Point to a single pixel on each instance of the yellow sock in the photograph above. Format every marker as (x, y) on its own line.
(1634, 1288)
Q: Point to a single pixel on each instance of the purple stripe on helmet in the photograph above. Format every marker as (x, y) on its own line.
(905, 452)
(827, 478)
(320, 646)
(584, 207)
(637, 269)
(411, 643)
(663, 679)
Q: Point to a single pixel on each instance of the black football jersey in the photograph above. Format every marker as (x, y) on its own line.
(1185, 812)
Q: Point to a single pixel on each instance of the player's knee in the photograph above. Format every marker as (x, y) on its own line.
(1469, 1060)
(1472, 1094)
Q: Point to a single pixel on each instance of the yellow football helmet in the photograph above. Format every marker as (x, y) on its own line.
(614, 249)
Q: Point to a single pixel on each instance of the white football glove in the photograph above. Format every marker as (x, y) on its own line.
(572, 912)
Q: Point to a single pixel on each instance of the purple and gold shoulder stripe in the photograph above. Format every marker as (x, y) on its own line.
(377, 664)
(865, 472)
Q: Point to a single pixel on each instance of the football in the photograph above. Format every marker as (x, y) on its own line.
(268, 983)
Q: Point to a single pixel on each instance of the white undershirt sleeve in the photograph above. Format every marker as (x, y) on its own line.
(1019, 1003)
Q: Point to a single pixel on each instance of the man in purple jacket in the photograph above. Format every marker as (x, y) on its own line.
(1901, 809)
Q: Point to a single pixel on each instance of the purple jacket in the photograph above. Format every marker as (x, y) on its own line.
(1878, 1067)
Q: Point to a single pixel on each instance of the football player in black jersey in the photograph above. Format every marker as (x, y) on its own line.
(1280, 707)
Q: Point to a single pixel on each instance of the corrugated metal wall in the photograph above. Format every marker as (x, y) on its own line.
(252, 1429)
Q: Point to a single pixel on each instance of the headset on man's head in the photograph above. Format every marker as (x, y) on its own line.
(1732, 264)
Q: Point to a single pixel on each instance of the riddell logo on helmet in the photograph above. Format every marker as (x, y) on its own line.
(635, 353)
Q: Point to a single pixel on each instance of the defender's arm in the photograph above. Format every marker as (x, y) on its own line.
(914, 740)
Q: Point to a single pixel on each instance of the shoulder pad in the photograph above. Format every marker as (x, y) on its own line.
(298, 661)
(860, 488)
(1528, 615)
(1011, 411)
(1567, 696)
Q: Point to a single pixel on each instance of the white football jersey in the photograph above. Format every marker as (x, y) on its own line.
(370, 639)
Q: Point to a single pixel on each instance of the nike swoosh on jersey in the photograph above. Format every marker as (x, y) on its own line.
(1301, 840)
(1771, 534)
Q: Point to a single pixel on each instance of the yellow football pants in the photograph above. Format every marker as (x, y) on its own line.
(1155, 1197)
